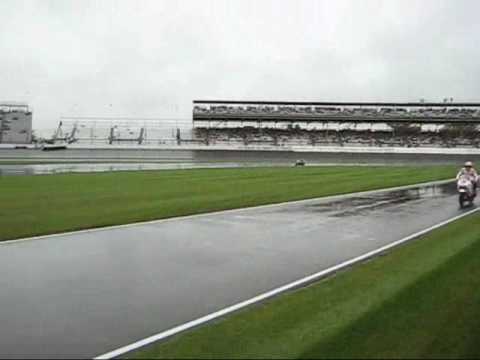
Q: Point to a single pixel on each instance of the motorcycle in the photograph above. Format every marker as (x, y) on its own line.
(466, 192)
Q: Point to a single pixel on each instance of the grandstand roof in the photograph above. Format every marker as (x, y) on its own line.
(342, 103)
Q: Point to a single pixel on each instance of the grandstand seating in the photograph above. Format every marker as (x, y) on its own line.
(341, 124)
(282, 137)
(332, 111)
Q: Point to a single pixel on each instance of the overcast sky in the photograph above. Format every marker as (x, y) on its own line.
(152, 58)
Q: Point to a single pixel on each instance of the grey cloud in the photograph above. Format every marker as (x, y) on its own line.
(151, 58)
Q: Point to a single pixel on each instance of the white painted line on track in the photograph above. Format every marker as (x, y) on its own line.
(308, 279)
(178, 218)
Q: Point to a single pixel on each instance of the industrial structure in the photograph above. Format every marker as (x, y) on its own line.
(116, 131)
(15, 123)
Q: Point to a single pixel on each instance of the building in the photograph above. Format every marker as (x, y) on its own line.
(15, 123)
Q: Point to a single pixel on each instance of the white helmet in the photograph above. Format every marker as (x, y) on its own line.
(468, 164)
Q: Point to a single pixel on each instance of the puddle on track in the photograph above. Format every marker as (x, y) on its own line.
(363, 204)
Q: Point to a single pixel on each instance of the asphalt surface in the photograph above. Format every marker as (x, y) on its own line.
(35, 162)
(229, 156)
(84, 294)
(43, 169)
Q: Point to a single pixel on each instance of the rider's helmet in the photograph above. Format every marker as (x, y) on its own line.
(468, 164)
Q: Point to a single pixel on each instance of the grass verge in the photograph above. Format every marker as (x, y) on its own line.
(419, 301)
(36, 205)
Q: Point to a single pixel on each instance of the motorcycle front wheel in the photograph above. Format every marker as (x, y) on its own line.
(462, 199)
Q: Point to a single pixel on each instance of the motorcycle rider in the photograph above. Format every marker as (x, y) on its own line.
(469, 171)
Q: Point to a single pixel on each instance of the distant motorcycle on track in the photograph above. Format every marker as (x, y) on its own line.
(466, 191)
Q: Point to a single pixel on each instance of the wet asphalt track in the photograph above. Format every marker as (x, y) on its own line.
(228, 156)
(44, 169)
(81, 295)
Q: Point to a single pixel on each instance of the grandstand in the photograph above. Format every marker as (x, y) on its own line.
(378, 124)
(278, 124)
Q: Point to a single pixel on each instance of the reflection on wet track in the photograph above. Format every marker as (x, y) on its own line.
(363, 204)
(44, 169)
(84, 294)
